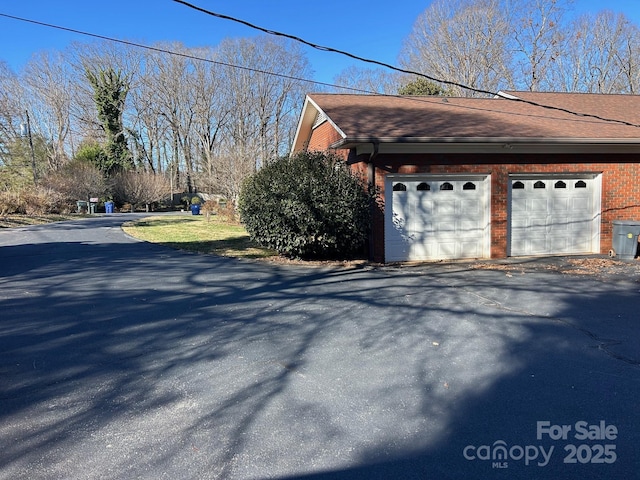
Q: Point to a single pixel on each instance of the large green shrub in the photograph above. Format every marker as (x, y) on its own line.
(309, 206)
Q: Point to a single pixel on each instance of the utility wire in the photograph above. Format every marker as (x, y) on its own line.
(180, 54)
(401, 70)
(299, 79)
(330, 49)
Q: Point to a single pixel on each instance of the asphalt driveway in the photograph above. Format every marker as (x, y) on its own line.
(120, 359)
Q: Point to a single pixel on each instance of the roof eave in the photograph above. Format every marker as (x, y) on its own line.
(489, 144)
(310, 110)
(303, 132)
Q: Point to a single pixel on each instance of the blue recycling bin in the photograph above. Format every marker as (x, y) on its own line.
(108, 207)
(195, 209)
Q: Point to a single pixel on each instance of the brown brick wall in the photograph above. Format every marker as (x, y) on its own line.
(324, 135)
(620, 185)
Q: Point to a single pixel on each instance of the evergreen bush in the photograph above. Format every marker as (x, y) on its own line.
(308, 206)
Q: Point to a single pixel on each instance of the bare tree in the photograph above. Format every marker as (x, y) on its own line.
(601, 55)
(10, 109)
(368, 80)
(140, 188)
(462, 41)
(280, 95)
(77, 180)
(148, 128)
(537, 35)
(168, 78)
(210, 115)
(21, 159)
(524, 44)
(628, 59)
(207, 122)
(47, 81)
(262, 100)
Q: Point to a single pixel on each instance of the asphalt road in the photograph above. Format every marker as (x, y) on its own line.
(121, 360)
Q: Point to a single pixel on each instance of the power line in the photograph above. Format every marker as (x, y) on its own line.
(398, 69)
(305, 80)
(179, 54)
(330, 49)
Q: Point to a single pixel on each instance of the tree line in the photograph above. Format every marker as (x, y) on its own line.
(203, 119)
(535, 45)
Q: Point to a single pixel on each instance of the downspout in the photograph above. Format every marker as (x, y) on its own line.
(371, 180)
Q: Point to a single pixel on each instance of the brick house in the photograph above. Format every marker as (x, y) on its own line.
(486, 177)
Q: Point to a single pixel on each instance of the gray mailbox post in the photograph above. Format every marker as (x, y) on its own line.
(93, 202)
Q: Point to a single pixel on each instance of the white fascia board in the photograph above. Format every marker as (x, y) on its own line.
(303, 131)
(310, 111)
(333, 124)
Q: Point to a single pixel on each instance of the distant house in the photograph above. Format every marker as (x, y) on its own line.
(486, 177)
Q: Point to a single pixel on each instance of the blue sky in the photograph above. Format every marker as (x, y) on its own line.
(369, 28)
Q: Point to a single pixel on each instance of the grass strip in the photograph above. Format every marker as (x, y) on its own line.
(196, 233)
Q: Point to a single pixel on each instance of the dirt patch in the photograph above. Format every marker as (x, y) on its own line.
(282, 260)
(602, 267)
(13, 221)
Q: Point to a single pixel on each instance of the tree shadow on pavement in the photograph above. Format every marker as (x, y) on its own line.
(123, 360)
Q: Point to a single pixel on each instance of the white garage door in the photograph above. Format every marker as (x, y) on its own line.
(429, 218)
(555, 216)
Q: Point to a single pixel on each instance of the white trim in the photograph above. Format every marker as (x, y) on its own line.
(597, 207)
(559, 176)
(298, 143)
(310, 112)
(321, 117)
(412, 177)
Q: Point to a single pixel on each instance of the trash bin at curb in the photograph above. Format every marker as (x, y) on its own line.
(626, 234)
(108, 207)
(195, 209)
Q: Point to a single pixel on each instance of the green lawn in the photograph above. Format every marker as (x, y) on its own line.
(197, 234)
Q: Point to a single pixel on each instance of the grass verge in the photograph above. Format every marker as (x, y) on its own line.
(197, 234)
